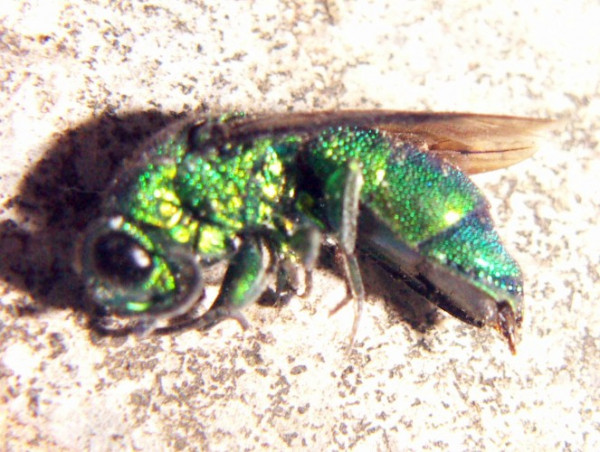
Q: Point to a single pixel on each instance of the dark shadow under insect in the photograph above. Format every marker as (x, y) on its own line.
(55, 201)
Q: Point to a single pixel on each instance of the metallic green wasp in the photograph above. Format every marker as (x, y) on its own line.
(262, 193)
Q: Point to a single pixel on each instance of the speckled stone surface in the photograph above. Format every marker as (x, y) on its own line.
(83, 82)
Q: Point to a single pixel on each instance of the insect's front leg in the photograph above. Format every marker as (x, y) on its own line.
(248, 276)
(342, 197)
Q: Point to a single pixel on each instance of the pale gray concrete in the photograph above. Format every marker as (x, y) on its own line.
(76, 79)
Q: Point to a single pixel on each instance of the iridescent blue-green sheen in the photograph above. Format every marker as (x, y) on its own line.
(199, 196)
(431, 206)
(415, 195)
(473, 249)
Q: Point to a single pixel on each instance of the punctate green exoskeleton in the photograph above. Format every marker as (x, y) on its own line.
(261, 193)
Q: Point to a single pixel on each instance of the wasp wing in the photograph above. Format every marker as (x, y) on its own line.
(474, 143)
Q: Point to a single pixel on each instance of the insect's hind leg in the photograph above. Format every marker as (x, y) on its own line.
(344, 208)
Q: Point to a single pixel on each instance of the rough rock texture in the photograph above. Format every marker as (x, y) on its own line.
(83, 82)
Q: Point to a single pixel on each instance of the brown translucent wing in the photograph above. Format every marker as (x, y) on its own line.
(475, 143)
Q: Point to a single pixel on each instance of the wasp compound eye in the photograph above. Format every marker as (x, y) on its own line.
(121, 259)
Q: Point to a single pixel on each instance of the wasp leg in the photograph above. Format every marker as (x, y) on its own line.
(344, 207)
(245, 281)
(246, 278)
(306, 244)
(295, 263)
(142, 328)
(103, 327)
(288, 282)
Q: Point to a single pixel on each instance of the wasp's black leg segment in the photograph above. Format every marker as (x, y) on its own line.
(313, 239)
(145, 327)
(306, 244)
(308, 283)
(103, 328)
(287, 282)
(294, 272)
(346, 223)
